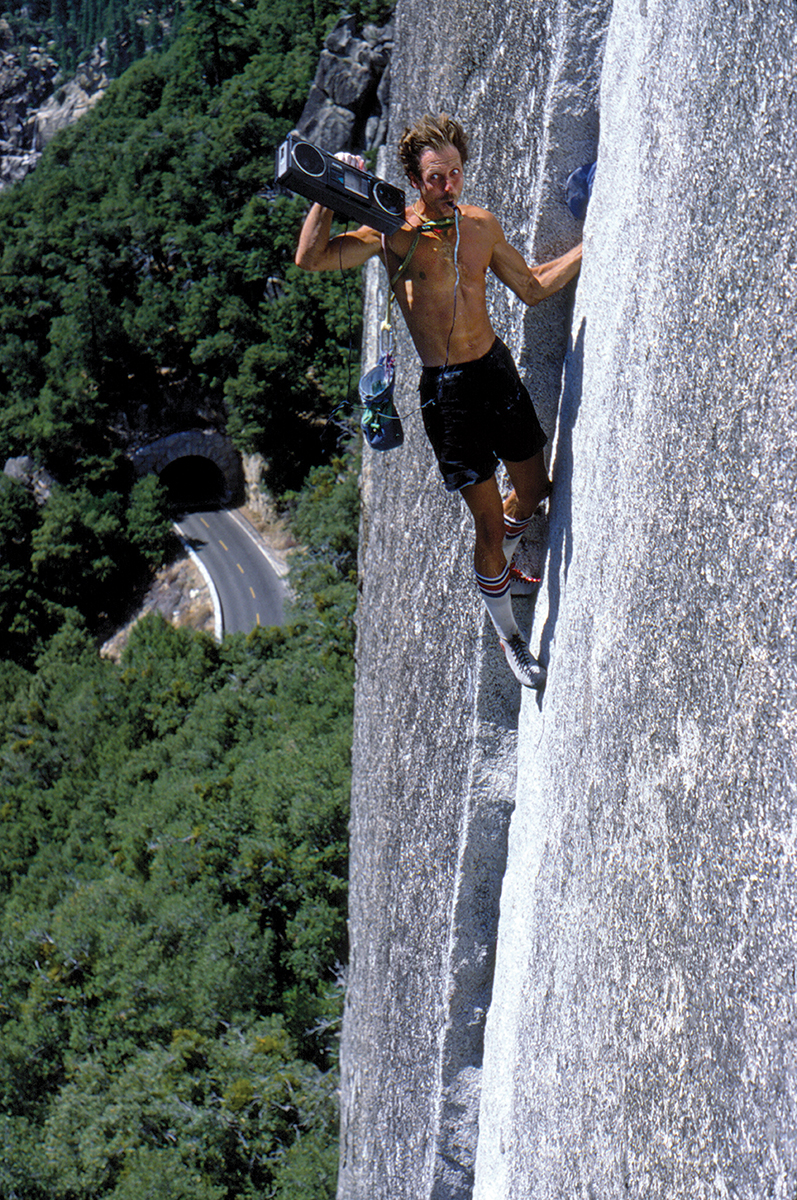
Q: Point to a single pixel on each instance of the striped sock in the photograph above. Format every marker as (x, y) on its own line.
(513, 532)
(498, 601)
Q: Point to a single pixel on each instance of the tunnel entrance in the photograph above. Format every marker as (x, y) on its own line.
(199, 467)
(194, 482)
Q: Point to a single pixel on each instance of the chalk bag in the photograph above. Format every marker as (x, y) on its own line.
(380, 421)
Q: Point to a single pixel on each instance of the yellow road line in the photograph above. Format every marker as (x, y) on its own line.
(204, 522)
(221, 543)
(252, 590)
(240, 568)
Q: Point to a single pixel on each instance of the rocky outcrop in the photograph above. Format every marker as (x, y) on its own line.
(24, 86)
(346, 109)
(32, 112)
(347, 105)
(36, 479)
(641, 1033)
(74, 98)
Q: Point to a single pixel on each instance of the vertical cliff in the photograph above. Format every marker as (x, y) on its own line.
(435, 738)
(640, 1038)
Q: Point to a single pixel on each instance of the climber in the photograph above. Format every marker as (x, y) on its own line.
(475, 408)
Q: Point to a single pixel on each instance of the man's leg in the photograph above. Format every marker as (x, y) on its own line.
(492, 577)
(530, 486)
(484, 502)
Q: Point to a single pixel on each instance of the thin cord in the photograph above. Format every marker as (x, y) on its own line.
(444, 368)
(456, 288)
(412, 411)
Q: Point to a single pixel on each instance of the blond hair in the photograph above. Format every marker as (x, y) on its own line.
(430, 133)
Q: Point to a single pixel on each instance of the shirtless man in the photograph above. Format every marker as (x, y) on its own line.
(475, 408)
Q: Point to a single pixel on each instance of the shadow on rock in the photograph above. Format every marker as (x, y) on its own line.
(561, 512)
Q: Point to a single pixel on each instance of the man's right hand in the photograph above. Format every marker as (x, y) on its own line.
(351, 160)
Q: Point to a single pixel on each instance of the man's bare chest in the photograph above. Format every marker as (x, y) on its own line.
(436, 258)
(433, 253)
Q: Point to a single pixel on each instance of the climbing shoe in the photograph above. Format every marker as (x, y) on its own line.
(524, 668)
(521, 584)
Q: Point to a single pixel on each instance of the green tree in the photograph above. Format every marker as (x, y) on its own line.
(20, 610)
(148, 519)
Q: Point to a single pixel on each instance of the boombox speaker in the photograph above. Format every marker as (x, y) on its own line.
(349, 192)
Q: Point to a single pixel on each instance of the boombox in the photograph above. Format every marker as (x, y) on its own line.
(349, 192)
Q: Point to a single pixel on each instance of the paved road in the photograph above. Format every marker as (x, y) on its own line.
(249, 588)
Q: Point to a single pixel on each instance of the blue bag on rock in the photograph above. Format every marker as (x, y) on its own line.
(578, 190)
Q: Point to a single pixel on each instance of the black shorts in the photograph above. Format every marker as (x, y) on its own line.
(476, 413)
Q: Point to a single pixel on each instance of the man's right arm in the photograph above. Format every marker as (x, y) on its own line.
(318, 252)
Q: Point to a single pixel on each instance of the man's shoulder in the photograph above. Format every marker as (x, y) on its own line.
(476, 213)
(484, 221)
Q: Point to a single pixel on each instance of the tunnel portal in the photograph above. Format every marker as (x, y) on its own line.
(200, 468)
(194, 482)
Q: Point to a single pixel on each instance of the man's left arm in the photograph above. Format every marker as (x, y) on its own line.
(533, 284)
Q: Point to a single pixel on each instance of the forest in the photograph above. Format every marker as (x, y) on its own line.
(173, 863)
(147, 285)
(173, 897)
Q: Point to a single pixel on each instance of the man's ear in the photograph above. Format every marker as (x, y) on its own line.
(414, 182)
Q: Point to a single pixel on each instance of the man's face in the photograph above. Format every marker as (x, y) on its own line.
(441, 179)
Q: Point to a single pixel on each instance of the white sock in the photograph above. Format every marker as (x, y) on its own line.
(498, 602)
(513, 532)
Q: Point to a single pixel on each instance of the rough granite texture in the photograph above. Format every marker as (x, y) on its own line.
(437, 709)
(642, 1040)
(348, 102)
(642, 1034)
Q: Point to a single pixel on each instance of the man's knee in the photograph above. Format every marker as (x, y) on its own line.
(530, 481)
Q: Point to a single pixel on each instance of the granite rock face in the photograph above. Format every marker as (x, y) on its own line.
(36, 479)
(348, 103)
(641, 1038)
(437, 709)
(76, 96)
(24, 86)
